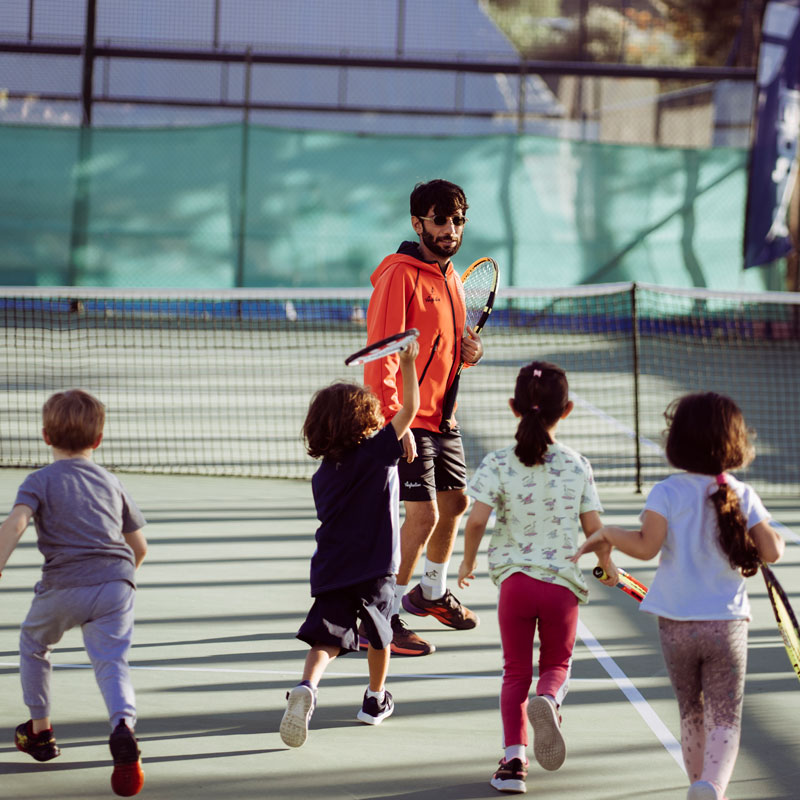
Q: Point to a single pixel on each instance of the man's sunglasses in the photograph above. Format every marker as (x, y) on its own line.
(441, 219)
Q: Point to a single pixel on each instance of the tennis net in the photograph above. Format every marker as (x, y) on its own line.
(219, 382)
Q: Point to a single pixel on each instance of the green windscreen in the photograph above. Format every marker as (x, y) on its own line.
(220, 207)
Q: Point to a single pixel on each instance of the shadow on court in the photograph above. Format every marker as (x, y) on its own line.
(221, 595)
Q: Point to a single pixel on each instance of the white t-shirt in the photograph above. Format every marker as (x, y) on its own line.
(694, 579)
(538, 509)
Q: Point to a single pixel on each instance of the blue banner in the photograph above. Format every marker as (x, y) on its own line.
(773, 159)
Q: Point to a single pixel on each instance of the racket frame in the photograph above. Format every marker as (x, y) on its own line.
(775, 590)
(449, 403)
(383, 347)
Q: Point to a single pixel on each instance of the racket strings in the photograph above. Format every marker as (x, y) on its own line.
(478, 286)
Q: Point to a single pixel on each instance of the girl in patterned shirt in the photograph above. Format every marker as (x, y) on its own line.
(544, 496)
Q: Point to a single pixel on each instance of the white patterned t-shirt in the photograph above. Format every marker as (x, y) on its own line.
(538, 510)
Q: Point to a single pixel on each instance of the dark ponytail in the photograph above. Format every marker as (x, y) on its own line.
(541, 396)
(734, 537)
(707, 434)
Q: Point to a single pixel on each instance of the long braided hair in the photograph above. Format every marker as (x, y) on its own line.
(707, 434)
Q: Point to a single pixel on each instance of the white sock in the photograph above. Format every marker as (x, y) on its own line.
(377, 695)
(434, 579)
(516, 751)
(399, 591)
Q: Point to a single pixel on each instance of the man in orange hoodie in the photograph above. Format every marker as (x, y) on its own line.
(417, 287)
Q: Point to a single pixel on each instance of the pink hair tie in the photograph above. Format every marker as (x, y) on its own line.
(537, 373)
(721, 479)
(534, 408)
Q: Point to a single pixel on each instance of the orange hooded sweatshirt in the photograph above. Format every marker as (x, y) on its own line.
(410, 293)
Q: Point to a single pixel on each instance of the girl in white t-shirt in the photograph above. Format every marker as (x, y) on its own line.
(712, 532)
(544, 496)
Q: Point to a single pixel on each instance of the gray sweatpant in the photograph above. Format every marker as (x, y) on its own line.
(105, 614)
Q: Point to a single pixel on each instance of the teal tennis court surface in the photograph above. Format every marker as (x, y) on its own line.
(221, 595)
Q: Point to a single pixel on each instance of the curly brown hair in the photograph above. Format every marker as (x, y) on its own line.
(707, 434)
(339, 418)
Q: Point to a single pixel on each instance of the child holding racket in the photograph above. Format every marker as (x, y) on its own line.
(89, 531)
(544, 495)
(712, 531)
(352, 571)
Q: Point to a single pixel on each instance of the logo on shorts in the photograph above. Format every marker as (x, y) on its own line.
(412, 485)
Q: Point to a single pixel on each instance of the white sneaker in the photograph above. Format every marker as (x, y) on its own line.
(549, 747)
(299, 708)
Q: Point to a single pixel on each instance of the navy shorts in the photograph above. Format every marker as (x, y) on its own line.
(334, 617)
(440, 466)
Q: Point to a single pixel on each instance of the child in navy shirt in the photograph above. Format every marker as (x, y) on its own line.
(356, 494)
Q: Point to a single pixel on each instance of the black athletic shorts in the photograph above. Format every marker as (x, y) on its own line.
(439, 466)
(334, 617)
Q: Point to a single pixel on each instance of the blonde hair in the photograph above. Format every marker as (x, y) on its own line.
(73, 420)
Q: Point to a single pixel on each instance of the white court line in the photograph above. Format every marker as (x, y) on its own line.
(628, 431)
(282, 672)
(788, 534)
(645, 710)
(616, 675)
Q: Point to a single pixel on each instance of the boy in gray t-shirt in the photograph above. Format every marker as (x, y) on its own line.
(89, 532)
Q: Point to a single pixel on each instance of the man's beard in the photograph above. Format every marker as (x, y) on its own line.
(443, 250)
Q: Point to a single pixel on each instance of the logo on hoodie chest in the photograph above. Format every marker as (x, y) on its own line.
(432, 296)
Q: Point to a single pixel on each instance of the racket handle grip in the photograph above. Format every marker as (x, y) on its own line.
(599, 573)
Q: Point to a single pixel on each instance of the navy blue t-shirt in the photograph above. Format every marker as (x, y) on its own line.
(357, 501)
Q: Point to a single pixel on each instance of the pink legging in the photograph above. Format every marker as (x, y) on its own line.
(707, 662)
(523, 602)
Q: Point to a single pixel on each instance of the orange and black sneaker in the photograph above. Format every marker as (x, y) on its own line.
(446, 609)
(406, 643)
(127, 778)
(41, 746)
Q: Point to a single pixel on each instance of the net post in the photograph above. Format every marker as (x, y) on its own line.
(635, 345)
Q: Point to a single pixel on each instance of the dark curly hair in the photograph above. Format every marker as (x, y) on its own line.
(445, 197)
(339, 418)
(707, 434)
(540, 396)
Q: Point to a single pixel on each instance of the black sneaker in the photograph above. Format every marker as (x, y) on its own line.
(127, 778)
(511, 776)
(447, 609)
(41, 746)
(372, 712)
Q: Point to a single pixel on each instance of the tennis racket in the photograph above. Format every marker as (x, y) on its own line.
(385, 347)
(784, 616)
(636, 589)
(480, 287)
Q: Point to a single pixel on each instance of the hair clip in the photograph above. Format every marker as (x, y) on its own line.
(537, 373)
(721, 479)
(534, 408)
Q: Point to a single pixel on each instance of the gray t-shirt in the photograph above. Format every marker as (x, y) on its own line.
(81, 511)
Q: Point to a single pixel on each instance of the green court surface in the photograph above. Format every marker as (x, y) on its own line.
(221, 594)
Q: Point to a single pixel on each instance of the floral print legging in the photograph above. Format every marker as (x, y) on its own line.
(706, 661)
